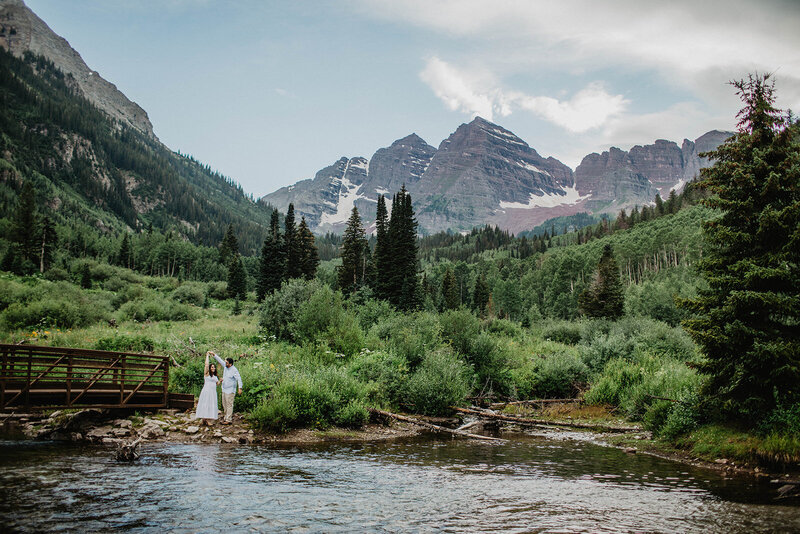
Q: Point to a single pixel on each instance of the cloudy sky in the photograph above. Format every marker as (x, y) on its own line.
(268, 92)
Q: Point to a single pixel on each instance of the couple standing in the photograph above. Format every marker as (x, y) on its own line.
(207, 403)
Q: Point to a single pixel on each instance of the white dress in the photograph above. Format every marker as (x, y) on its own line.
(207, 403)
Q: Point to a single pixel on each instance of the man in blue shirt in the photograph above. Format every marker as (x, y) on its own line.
(230, 379)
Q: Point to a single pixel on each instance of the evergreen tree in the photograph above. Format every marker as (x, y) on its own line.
(25, 230)
(124, 254)
(351, 271)
(86, 277)
(48, 237)
(382, 254)
(746, 322)
(401, 277)
(291, 245)
(604, 297)
(309, 257)
(481, 294)
(450, 296)
(659, 206)
(271, 264)
(229, 248)
(237, 278)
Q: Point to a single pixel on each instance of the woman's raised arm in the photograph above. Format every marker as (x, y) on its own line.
(205, 368)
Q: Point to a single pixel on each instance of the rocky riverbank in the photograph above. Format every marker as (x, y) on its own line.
(111, 428)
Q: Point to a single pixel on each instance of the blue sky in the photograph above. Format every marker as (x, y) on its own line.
(269, 92)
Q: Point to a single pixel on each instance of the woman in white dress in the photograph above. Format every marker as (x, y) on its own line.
(207, 408)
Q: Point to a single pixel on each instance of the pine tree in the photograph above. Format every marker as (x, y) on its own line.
(382, 254)
(124, 254)
(48, 237)
(746, 322)
(659, 205)
(401, 278)
(86, 277)
(481, 294)
(351, 271)
(604, 297)
(450, 296)
(291, 245)
(229, 247)
(271, 267)
(309, 256)
(25, 229)
(237, 278)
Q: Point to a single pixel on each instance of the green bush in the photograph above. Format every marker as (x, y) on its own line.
(157, 308)
(280, 309)
(410, 336)
(386, 372)
(313, 398)
(323, 318)
(190, 293)
(114, 283)
(188, 378)
(442, 380)
(125, 343)
(59, 304)
(57, 274)
(504, 327)
(607, 347)
(556, 375)
(459, 329)
(566, 332)
(372, 311)
(217, 290)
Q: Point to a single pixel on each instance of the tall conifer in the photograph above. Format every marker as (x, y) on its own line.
(291, 245)
(382, 254)
(25, 228)
(271, 264)
(604, 297)
(229, 246)
(309, 256)
(352, 270)
(746, 322)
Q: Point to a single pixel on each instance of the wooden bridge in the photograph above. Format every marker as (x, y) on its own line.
(34, 377)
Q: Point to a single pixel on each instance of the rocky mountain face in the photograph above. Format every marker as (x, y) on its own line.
(484, 174)
(617, 179)
(21, 31)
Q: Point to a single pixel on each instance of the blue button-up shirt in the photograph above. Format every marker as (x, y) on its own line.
(230, 377)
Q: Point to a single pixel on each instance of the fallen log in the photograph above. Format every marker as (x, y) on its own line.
(545, 422)
(435, 428)
(500, 405)
(128, 452)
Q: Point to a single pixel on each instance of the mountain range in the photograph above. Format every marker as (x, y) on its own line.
(481, 174)
(484, 174)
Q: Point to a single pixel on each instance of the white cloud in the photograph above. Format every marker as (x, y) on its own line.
(683, 40)
(462, 91)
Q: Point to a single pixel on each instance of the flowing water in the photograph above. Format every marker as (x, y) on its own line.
(530, 484)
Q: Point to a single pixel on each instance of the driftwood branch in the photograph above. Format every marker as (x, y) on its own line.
(668, 399)
(435, 428)
(545, 422)
(500, 405)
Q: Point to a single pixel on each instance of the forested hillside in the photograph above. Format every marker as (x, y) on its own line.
(94, 177)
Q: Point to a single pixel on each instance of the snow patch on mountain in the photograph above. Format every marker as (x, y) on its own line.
(348, 194)
(547, 201)
(528, 167)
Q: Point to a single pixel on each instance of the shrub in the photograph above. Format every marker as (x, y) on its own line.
(315, 398)
(459, 328)
(606, 347)
(190, 293)
(504, 327)
(57, 274)
(60, 305)
(188, 378)
(217, 290)
(387, 373)
(157, 308)
(373, 311)
(557, 375)
(280, 309)
(410, 336)
(126, 343)
(442, 380)
(566, 332)
(114, 283)
(323, 317)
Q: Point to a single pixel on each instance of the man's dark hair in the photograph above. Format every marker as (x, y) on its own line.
(229, 360)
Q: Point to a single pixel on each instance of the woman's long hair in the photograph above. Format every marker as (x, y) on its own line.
(212, 370)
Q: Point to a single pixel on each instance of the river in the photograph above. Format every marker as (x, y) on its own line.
(532, 483)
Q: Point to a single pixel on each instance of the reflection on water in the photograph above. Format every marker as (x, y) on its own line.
(531, 484)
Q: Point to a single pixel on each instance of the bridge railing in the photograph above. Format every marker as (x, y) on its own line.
(55, 377)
